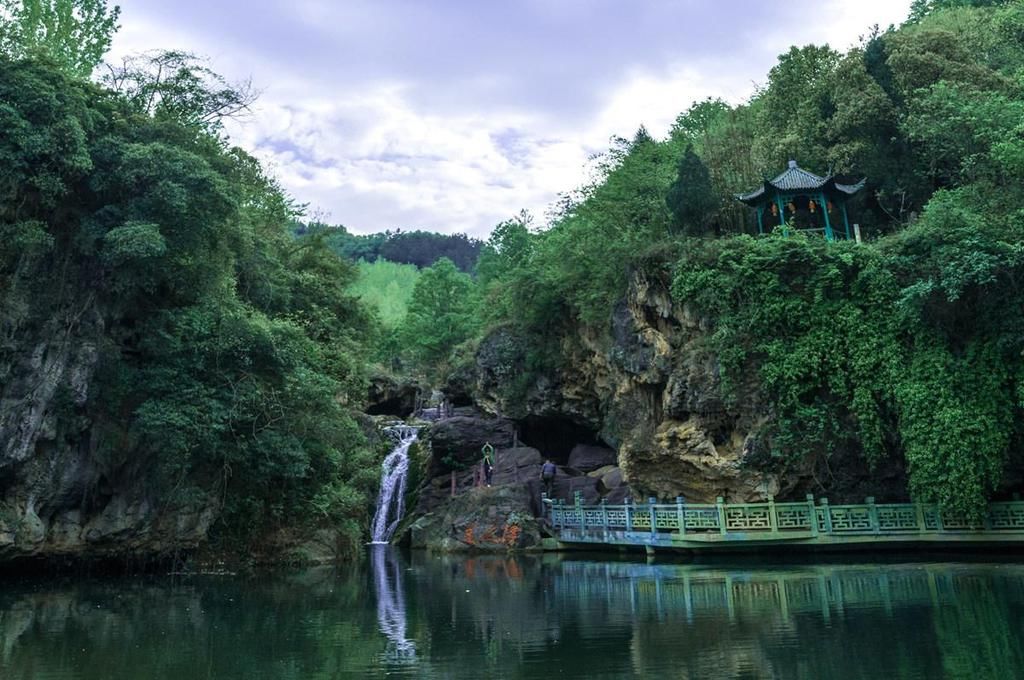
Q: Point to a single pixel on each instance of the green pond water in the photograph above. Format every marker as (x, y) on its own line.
(424, 616)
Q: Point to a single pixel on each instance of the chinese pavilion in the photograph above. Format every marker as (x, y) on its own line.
(808, 200)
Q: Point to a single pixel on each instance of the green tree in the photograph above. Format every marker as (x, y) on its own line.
(440, 315)
(793, 107)
(179, 86)
(225, 349)
(919, 9)
(691, 197)
(76, 34)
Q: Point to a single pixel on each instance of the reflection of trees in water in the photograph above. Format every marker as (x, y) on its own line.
(832, 621)
(974, 636)
(525, 617)
(315, 624)
(387, 580)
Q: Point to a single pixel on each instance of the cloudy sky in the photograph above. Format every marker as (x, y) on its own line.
(453, 115)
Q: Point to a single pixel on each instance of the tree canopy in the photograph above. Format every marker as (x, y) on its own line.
(75, 34)
(907, 346)
(225, 349)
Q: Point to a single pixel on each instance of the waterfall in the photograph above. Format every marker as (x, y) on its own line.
(394, 471)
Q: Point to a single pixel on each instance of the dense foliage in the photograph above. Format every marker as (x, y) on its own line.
(74, 34)
(419, 248)
(909, 345)
(226, 349)
(230, 342)
(440, 314)
(387, 288)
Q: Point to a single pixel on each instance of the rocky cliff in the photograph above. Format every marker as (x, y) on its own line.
(648, 386)
(62, 494)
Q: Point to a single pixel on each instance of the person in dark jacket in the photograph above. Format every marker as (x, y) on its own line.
(547, 475)
(488, 462)
(488, 471)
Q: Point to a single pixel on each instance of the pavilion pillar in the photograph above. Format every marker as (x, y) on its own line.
(829, 236)
(846, 220)
(760, 219)
(782, 213)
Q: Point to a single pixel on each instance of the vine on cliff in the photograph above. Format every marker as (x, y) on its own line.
(910, 346)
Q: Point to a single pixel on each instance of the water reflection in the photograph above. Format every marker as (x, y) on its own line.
(448, 617)
(388, 586)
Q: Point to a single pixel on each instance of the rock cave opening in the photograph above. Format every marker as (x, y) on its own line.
(400, 407)
(555, 437)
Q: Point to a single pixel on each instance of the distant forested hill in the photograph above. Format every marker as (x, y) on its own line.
(419, 248)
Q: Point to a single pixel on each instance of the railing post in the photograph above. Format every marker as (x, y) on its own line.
(826, 515)
(651, 502)
(604, 514)
(919, 511)
(681, 514)
(578, 500)
(938, 518)
(873, 514)
(773, 519)
(813, 519)
(720, 502)
(629, 514)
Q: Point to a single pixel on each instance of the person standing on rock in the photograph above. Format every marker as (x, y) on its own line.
(547, 475)
(488, 452)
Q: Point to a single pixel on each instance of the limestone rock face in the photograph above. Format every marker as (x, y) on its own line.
(649, 387)
(681, 460)
(59, 495)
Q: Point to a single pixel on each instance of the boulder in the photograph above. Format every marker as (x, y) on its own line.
(587, 457)
(611, 480)
(495, 519)
(457, 441)
(565, 488)
(516, 465)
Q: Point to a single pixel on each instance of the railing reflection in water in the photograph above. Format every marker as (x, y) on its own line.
(670, 591)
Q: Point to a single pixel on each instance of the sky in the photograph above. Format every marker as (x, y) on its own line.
(452, 116)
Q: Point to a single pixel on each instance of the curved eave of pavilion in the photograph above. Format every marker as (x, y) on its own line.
(828, 186)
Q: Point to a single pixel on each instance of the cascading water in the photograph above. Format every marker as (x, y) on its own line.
(394, 471)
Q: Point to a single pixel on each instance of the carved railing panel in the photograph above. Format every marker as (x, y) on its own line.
(769, 518)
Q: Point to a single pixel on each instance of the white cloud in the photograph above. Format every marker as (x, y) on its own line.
(458, 152)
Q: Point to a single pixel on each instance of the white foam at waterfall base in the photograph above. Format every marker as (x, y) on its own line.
(394, 472)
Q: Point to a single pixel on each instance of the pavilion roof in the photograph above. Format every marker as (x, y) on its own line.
(796, 179)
